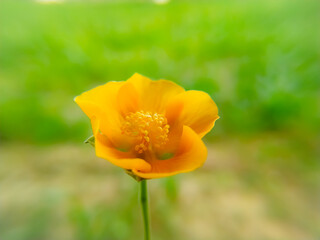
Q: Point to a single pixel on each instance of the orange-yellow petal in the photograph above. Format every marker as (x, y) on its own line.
(173, 142)
(101, 98)
(195, 109)
(191, 154)
(154, 95)
(101, 102)
(128, 99)
(126, 160)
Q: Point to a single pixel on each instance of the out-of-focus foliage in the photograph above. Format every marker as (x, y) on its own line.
(255, 188)
(259, 60)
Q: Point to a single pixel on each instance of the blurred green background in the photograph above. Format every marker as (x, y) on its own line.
(259, 60)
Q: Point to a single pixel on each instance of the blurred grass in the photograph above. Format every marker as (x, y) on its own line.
(258, 59)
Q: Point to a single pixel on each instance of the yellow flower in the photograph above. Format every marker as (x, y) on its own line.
(151, 128)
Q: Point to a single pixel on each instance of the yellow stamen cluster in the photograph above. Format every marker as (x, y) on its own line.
(150, 129)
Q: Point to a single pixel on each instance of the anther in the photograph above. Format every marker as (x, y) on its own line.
(150, 129)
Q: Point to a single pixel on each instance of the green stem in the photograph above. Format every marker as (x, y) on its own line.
(145, 208)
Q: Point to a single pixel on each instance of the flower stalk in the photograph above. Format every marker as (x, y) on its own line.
(145, 208)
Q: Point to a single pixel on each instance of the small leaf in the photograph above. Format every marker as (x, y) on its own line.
(91, 141)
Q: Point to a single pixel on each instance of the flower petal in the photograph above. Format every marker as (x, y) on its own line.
(101, 98)
(195, 109)
(174, 137)
(191, 154)
(154, 95)
(101, 102)
(126, 160)
(127, 99)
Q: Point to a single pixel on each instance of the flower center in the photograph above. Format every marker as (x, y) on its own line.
(150, 129)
